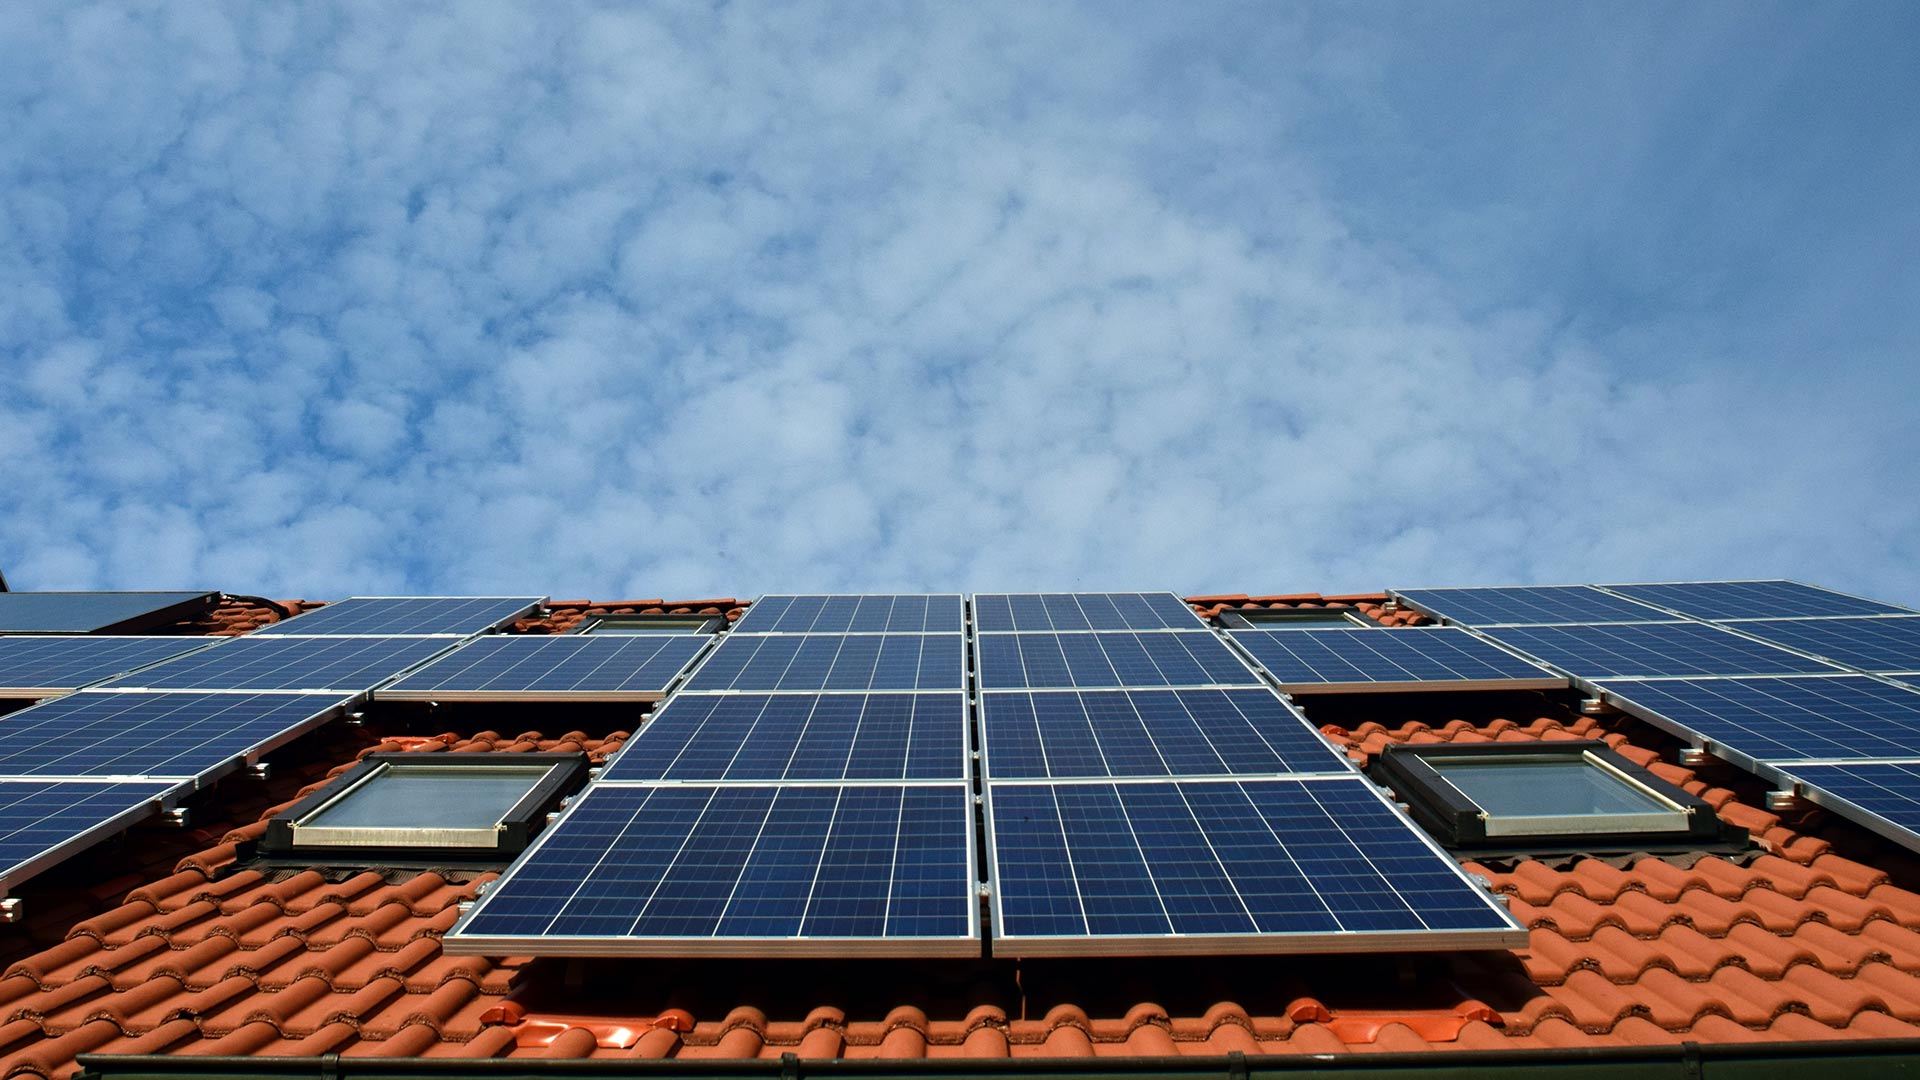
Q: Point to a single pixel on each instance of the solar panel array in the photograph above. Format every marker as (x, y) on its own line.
(1528, 605)
(347, 665)
(1881, 644)
(808, 791)
(805, 792)
(1135, 801)
(91, 612)
(566, 667)
(1723, 600)
(1089, 660)
(44, 821)
(1789, 680)
(816, 614)
(41, 665)
(1323, 661)
(435, 616)
(180, 737)
(1644, 650)
(1208, 866)
(997, 612)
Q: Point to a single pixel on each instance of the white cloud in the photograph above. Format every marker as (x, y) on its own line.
(692, 302)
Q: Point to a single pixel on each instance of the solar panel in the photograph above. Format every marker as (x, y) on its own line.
(854, 614)
(347, 665)
(1528, 605)
(1224, 866)
(35, 666)
(742, 870)
(835, 662)
(1082, 611)
(1883, 796)
(42, 822)
(1878, 643)
(456, 616)
(1437, 657)
(163, 735)
(94, 612)
(1119, 733)
(1626, 650)
(802, 737)
(1777, 720)
(624, 667)
(1753, 599)
(1112, 660)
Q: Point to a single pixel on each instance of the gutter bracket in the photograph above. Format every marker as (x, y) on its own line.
(789, 1066)
(1236, 1065)
(1690, 1062)
(330, 1067)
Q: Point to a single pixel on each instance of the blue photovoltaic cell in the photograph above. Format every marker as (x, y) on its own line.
(799, 737)
(1880, 644)
(68, 662)
(1370, 657)
(84, 612)
(1101, 661)
(1082, 611)
(39, 816)
(349, 665)
(1147, 733)
(514, 665)
(1279, 859)
(1529, 604)
(834, 662)
(455, 615)
(684, 869)
(849, 614)
(115, 734)
(1754, 600)
(1787, 719)
(1626, 650)
(1885, 790)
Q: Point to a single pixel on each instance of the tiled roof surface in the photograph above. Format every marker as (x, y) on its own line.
(1375, 606)
(1813, 935)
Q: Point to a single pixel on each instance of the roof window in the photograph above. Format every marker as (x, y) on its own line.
(475, 805)
(640, 623)
(1294, 618)
(1527, 794)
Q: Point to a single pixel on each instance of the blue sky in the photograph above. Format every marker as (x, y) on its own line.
(608, 300)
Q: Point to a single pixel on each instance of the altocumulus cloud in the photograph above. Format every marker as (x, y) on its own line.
(675, 300)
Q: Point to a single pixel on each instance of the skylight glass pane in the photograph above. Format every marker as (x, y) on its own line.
(1544, 788)
(478, 797)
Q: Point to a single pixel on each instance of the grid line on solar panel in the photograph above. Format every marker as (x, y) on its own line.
(1646, 650)
(1529, 605)
(1723, 600)
(41, 821)
(50, 663)
(1876, 794)
(101, 733)
(746, 870)
(1149, 733)
(346, 664)
(1066, 612)
(1205, 866)
(811, 663)
(415, 616)
(796, 737)
(906, 613)
(1882, 644)
(1778, 720)
(1341, 659)
(1119, 661)
(633, 667)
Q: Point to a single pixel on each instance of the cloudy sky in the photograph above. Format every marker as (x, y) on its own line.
(643, 300)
